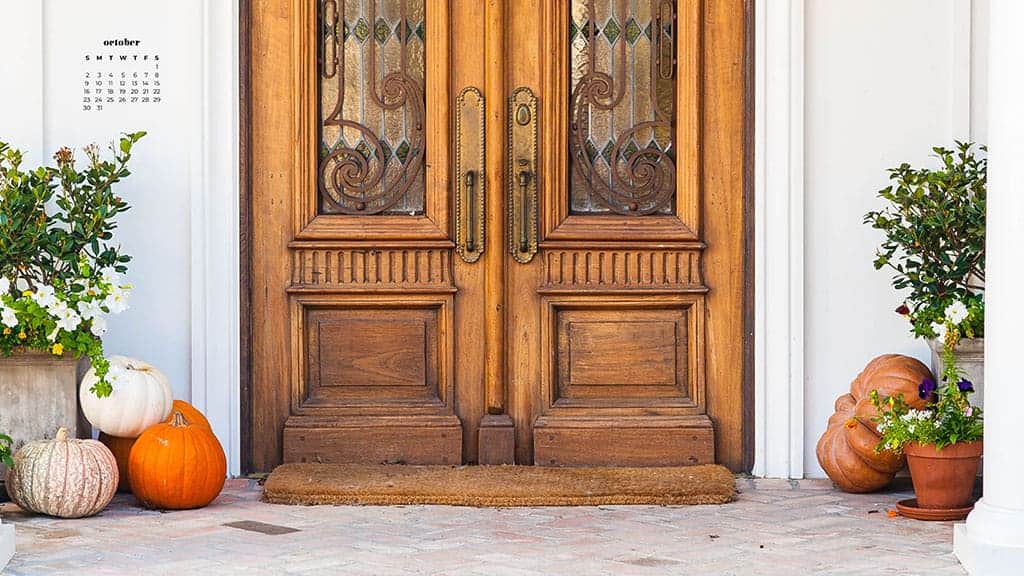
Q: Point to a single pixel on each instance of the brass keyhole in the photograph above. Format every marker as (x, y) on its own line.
(523, 115)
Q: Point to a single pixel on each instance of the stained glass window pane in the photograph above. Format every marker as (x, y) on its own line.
(372, 105)
(622, 106)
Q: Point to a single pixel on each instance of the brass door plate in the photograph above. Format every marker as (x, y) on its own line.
(522, 177)
(470, 176)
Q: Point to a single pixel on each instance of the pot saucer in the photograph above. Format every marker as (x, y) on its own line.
(910, 509)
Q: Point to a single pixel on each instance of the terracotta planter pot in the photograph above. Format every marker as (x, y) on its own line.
(943, 478)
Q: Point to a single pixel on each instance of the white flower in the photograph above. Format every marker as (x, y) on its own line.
(117, 301)
(89, 309)
(68, 319)
(911, 428)
(940, 329)
(7, 317)
(110, 276)
(116, 375)
(45, 297)
(956, 312)
(5, 286)
(99, 326)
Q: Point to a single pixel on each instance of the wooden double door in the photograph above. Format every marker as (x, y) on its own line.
(497, 232)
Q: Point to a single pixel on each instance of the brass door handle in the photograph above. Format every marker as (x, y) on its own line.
(524, 208)
(523, 183)
(470, 181)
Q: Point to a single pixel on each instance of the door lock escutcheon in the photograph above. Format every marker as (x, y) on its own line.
(522, 177)
(470, 181)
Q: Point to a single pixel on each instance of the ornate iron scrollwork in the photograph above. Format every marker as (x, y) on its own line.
(637, 171)
(361, 172)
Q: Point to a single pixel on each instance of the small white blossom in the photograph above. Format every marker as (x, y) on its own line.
(940, 329)
(110, 276)
(89, 309)
(115, 376)
(956, 312)
(5, 286)
(117, 301)
(45, 297)
(68, 319)
(7, 317)
(99, 326)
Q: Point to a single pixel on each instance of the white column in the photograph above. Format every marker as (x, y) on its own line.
(992, 540)
(6, 544)
(779, 245)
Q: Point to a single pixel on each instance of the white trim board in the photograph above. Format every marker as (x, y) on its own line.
(214, 240)
(779, 239)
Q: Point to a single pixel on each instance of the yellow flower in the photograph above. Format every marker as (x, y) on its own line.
(58, 349)
(26, 293)
(6, 331)
(851, 423)
(22, 335)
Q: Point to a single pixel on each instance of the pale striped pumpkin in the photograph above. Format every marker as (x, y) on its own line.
(63, 477)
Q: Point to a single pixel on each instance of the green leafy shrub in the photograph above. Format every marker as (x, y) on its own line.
(59, 273)
(934, 225)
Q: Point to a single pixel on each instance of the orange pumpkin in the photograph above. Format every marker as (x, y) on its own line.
(120, 448)
(177, 465)
(847, 448)
(190, 412)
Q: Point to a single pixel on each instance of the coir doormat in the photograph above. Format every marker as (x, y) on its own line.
(496, 486)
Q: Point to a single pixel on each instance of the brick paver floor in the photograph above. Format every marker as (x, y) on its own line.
(776, 527)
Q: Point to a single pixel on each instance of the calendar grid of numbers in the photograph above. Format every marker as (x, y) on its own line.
(120, 74)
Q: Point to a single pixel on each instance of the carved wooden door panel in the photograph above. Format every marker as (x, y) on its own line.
(625, 296)
(361, 302)
(496, 232)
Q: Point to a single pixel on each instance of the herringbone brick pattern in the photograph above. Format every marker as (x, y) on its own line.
(776, 527)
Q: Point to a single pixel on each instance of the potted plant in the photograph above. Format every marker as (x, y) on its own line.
(934, 225)
(60, 277)
(942, 441)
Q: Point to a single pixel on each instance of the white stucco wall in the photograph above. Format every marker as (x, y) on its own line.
(885, 81)
(882, 82)
(174, 184)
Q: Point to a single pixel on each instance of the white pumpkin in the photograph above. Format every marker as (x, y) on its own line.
(63, 477)
(141, 397)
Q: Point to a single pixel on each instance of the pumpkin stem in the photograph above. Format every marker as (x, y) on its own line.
(179, 419)
(62, 434)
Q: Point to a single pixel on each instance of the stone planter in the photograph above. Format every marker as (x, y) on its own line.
(38, 396)
(970, 360)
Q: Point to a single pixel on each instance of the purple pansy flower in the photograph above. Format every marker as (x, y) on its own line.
(926, 389)
(965, 385)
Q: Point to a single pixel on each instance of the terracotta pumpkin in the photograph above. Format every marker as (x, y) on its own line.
(120, 448)
(847, 448)
(177, 465)
(141, 397)
(63, 477)
(190, 412)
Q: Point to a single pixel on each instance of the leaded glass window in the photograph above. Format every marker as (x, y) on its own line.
(372, 106)
(622, 106)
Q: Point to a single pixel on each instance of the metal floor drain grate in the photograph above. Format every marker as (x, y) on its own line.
(261, 527)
